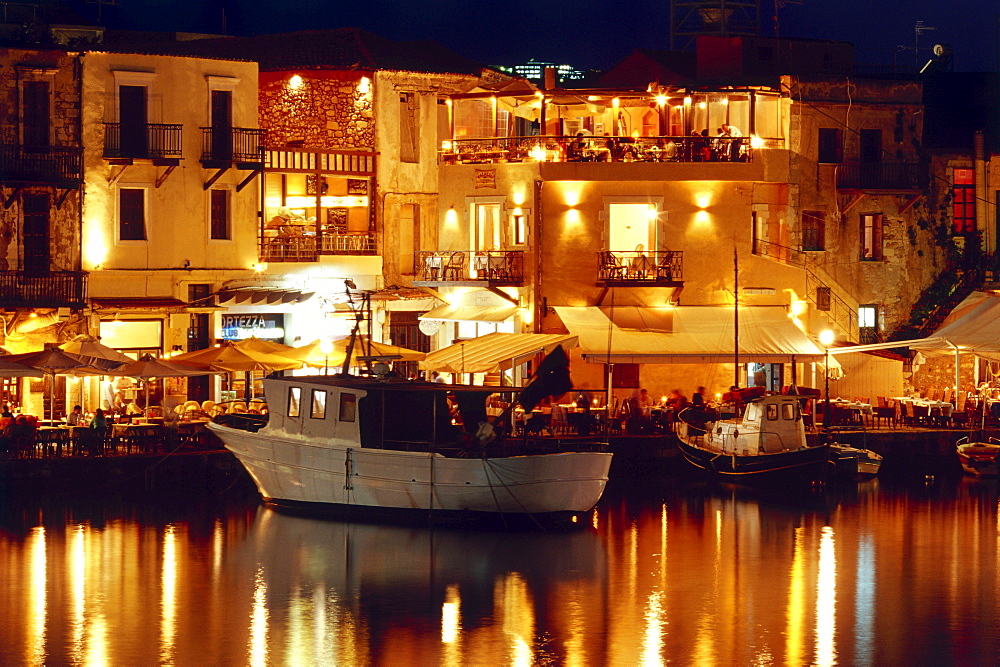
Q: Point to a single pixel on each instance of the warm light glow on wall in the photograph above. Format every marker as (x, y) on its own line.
(364, 85)
(517, 196)
(527, 317)
(661, 100)
(616, 103)
(260, 267)
(571, 193)
(687, 100)
(703, 199)
(797, 307)
(573, 218)
(451, 218)
(756, 142)
(702, 105)
(96, 246)
(702, 218)
(295, 82)
(652, 213)
(725, 101)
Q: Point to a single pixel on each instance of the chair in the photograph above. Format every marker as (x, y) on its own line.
(960, 415)
(208, 407)
(237, 407)
(255, 405)
(886, 413)
(455, 268)
(919, 414)
(611, 267)
(947, 395)
(665, 267)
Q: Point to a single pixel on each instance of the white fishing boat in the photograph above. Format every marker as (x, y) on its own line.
(767, 443)
(855, 462)
(979, 457)
(396, 448)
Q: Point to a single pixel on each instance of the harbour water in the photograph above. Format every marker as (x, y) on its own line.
(664, 570)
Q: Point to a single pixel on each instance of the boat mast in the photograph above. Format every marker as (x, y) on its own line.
(736, 319)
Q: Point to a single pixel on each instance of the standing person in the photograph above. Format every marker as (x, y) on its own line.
(698, 398)
(735, 141)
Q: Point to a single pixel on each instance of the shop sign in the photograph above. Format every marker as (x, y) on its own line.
(268, 326)
(486, 178)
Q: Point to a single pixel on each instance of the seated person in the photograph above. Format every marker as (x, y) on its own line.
(75, 418)
(575, 148)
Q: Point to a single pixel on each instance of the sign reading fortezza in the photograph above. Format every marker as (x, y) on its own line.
(270, 326)
(486, 178)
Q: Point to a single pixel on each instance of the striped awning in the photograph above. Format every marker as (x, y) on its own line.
(494, 352)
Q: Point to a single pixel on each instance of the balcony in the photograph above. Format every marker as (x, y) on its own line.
(497, 268)
(598, 149)
(152, 141)
(636, 268)
(904, 176)
(49, 165)
(45, 289)
(228, 145)
(291, 244)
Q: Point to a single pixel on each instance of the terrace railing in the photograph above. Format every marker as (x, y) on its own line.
(152, 141)
(49, 164)
(45, 289)
(232, 144)
(880, 176)
(492, 266)
(598, 149)
(638, 268)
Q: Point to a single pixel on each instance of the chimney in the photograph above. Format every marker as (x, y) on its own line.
(549, 81)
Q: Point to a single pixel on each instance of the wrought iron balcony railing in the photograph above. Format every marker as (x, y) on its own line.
(492, 266)
(880, 176)
(232, 144)
(49, 164)
(144, 142)
(636, 267)
(598, 149)
(287, 245)
(44, 289)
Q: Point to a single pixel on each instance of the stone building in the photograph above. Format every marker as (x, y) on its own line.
(817, 195)
(43, 288)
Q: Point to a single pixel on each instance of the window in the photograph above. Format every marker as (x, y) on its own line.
(871, 236)
(813, 231)
(823, 298)
(772, 412)
(830, 146)
(868, 324)
(132, 214)
(318, 410)
(348, 407)
(486, 227)
(963, 207)
(519, 227)
(36, 232)
(220, 215)
(788, 412)
(409, 140)
(35, 114)
(294, 400)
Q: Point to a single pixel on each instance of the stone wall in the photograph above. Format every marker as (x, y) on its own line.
(319, 110)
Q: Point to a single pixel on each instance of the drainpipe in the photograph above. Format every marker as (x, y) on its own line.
(956, 363)
(989, 240)
(536, 243)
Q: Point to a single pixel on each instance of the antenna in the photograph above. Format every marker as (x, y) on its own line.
(918, 30)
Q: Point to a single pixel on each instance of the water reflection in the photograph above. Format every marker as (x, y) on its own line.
(679, 573)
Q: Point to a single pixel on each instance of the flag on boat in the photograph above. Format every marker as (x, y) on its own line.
(551, 379)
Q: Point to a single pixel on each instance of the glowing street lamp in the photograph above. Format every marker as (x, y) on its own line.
(826, 338)
(326, 347)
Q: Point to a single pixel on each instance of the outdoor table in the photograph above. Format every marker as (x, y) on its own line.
(49, 440)
(141, 437)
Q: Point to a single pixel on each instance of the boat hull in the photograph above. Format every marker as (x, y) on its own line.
(852, 462)
(979, 458)
(339, 478)
(805, 465)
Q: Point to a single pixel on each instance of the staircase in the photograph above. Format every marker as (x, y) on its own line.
(937, 301)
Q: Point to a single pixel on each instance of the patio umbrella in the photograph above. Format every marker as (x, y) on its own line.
(90, 348)
(233, 359)
(260, 345)
(149, 367)
(312, 354)
(53, 361)
(10, 369)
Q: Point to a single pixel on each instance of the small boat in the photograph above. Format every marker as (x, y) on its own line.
(855, 462)
(978, 458)
(396, 449)
(767, 443)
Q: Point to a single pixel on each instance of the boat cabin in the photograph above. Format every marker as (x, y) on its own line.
(380, 414)
(769, 425)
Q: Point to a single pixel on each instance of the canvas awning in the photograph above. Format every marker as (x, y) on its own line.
(493, 352)
(449, 313)
(688, 334)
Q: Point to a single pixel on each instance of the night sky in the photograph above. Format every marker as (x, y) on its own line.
(583, 33)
